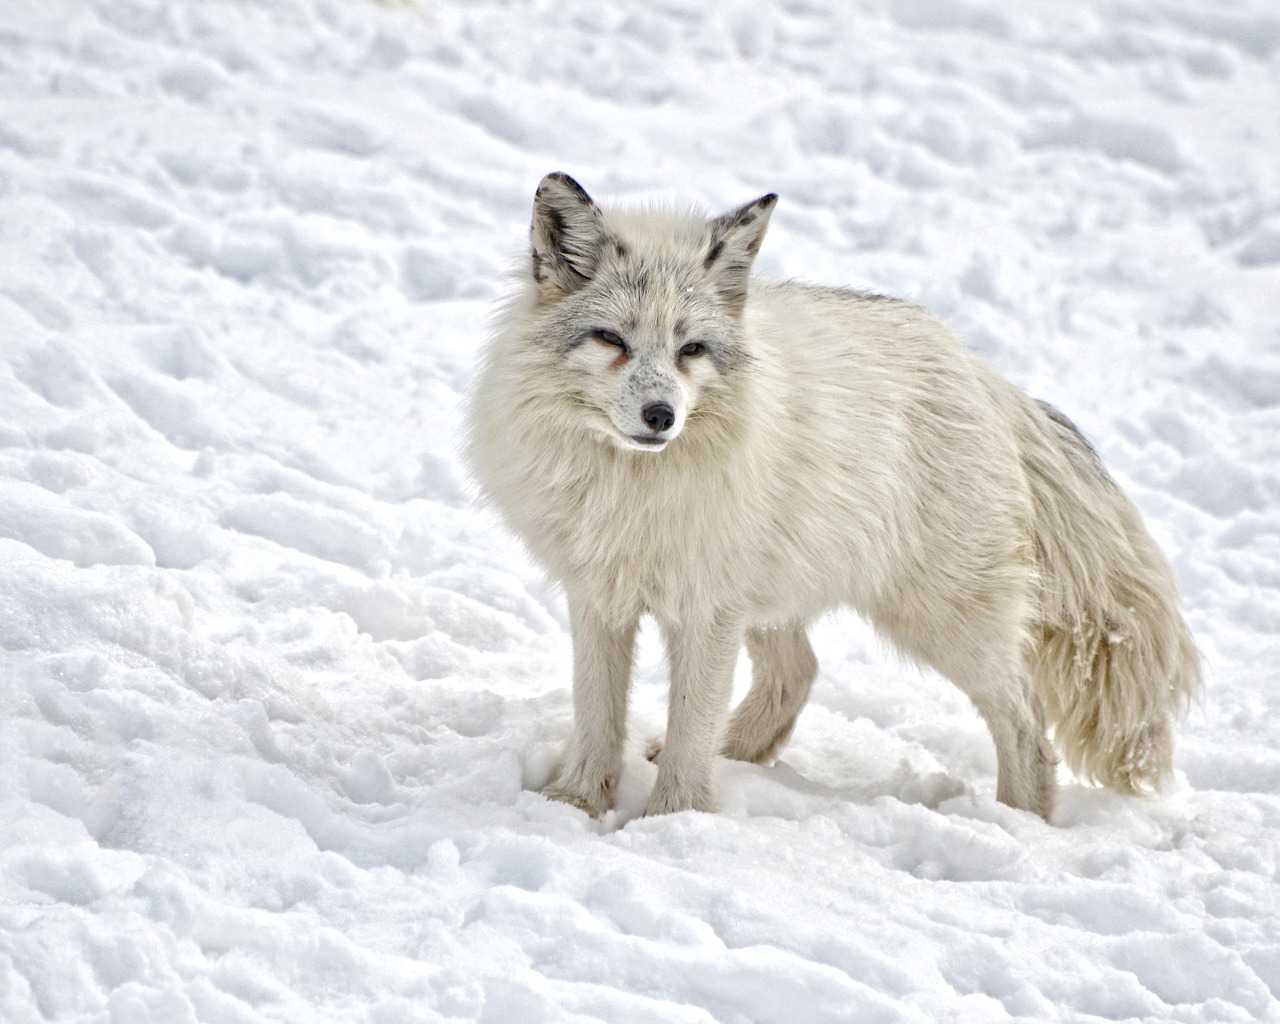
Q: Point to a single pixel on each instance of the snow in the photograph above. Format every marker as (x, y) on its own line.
(277, 700)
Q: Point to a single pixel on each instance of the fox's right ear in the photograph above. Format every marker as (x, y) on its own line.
(567, 233)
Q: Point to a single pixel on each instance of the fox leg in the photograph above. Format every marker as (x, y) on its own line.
(979, 644)
(783, 668)
(1026, 766)
(587, 775)
(702, 656)
(1001, 689)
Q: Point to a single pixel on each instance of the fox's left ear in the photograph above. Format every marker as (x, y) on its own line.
(735, 240)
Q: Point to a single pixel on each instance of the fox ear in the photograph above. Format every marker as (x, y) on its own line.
(567, 234)
(735, 240)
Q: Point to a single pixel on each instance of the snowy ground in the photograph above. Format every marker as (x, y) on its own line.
(275, 700)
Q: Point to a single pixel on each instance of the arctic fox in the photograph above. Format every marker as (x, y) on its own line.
(734, 457)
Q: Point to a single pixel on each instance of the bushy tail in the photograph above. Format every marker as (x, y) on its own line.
(1115, 663)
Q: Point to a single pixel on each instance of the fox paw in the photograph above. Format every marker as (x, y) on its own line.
(753, 749)
(595, 800)
(671, 798)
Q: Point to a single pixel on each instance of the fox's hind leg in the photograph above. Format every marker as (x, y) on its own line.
(979, 645)
(783, 668)
(993, 674)
(1025, 763)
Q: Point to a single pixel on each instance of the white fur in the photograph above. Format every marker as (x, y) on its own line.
(831, 448)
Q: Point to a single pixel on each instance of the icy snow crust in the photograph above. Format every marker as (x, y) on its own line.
(276, 700)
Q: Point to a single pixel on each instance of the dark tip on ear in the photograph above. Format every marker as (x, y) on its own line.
(746, 214)
(735, 222)
(762, 205)
(564, 182)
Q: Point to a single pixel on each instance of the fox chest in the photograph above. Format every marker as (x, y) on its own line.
(645, 545)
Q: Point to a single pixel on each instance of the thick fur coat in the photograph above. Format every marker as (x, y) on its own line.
(735, 457)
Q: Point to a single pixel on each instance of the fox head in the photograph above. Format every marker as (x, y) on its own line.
(645, 306)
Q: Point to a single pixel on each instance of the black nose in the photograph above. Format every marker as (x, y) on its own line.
(658, 416)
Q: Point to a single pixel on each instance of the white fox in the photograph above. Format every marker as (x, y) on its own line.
(735, 457)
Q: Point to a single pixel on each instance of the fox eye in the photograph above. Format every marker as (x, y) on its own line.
(606, 337)
(694, 348)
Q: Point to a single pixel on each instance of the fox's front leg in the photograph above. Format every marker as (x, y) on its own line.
(702, 657)
(587, 775)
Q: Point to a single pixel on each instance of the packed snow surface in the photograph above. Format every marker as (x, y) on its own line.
(275, 698)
